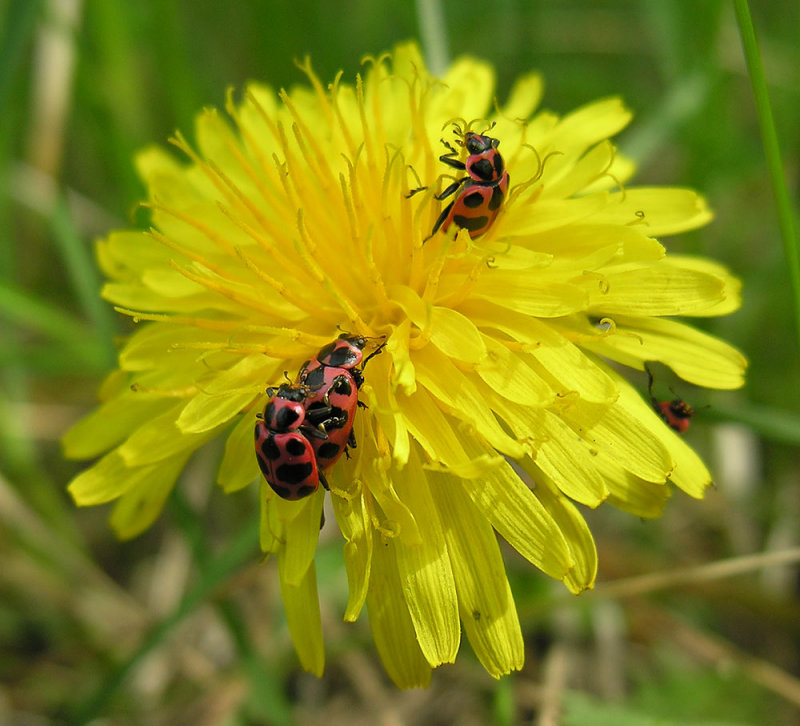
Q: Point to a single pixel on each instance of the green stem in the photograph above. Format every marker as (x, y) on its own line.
(433, 32)
(772, 151)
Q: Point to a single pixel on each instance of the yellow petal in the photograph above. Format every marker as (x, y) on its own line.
(301, 605)
(370, 472)
(659, 210)
(146, 347)
(403, 378)
(111, 423)
(549, 214)
(732, 299)
(383, 403)
(353, 520)
(456, 335)
(694, 355)
(528, 295)
(425, 572)
(238, 467)
(566, 458)
(525, 95)
(520, 518)
(391, 625)
(468, 91)
(616, 434)
(689, 472)
(576, 532)
(271, 531)
(559, 359)
(660, 289)
(446, 382)
(158, 439)
(138, 508)
(484, 596)
(579, 171)
(512, 376)
(229, 393)
(108, 479)
(432, 429)
(301, 535)
(450, 331)
(590, 123)
(631, 494)
(591, 246)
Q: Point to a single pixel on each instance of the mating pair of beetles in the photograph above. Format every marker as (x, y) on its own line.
(307, 425)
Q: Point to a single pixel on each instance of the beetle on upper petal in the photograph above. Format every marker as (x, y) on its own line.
(479, 194)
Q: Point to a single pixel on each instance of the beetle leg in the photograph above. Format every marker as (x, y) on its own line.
(650, 382)
(317, 433)
(440, 221)
(454, 163)
(317, 415)
(452, 189)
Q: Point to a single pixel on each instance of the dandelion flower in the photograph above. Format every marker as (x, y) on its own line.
(498, 404)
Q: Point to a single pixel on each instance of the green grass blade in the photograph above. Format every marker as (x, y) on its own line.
(772, 152)
(770, 423)
(83, 274)
(19, 26)
(433, 31)
(21, 308)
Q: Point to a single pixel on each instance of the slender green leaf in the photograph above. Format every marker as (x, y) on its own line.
(23, 309)
(772, 152)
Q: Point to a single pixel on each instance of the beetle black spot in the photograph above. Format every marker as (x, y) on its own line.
(342, 358)
(315, 378)
(342, 386)
(285, 418)
(497, 198)
(294, 473)
(472, 224)
(296, 447)
(282, 491)
(483, 169)
(304, 491)
(326, 350)
(262, 464)
(498, 165)
(328, 451)
(473, 200)
(270, 450)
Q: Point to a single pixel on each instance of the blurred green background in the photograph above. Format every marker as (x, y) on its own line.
(184, 624)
